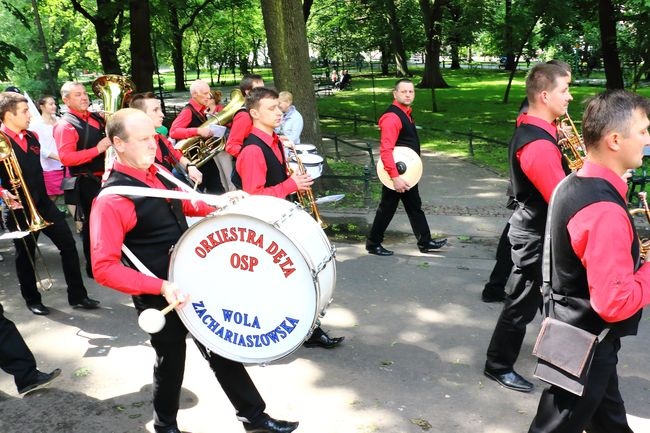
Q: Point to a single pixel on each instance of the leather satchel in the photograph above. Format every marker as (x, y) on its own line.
(564, 355)
(69, 183)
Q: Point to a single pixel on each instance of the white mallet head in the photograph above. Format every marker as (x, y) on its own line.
(151, 320)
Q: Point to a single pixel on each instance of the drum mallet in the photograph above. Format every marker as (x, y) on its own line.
(152, 320)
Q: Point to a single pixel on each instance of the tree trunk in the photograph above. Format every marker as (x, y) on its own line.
(286, 35)
(142, 64)
(431, 17)
(607, 23)
(385, 56)
(396, 39)
(455, 56)
(46, 73)
(508, 41)
(177, 49)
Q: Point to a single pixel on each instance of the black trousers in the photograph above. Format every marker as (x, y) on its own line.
(60, 234)
(170, 345)
(15, 357)
(88, 187)
(503, 266)
(386, 210)
(211, 178)
(522, 303)
(599, 410)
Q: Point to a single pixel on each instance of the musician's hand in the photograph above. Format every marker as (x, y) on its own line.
(103, 145)
(11, 200)
(400, 184)
(195, 174)
(204, 132)
(172, 293)
(303, 181)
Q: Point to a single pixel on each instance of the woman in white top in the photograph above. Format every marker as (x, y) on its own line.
(50, 161)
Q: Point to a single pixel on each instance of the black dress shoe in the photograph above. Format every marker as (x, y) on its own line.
(510, 380)
(320, 339)
(493, 296)
(39, 309)
(378, 250)
(41, 380)
(86, 303)
(271, 426)
(432, 245)
(171, 429)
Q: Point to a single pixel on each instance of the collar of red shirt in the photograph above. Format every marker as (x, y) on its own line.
(269, 139)
(83, 115)
(551, 128)
(405, 108)
(591, 169)
(18, 137)
(146, 176)
(198, 107)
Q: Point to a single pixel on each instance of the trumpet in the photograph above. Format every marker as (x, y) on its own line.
(34, 220)
(644, 244)
(305, 198)
(570, 142)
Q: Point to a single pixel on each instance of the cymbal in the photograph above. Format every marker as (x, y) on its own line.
(409, 166)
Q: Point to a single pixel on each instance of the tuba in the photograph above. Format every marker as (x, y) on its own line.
(200, 150)
(115, 92)
(570, 142)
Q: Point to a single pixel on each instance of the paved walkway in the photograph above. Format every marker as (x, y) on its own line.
(415, 329)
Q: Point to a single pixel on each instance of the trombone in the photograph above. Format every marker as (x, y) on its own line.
(305, 198)
(34, 220)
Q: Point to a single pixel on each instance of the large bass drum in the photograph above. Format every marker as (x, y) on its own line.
(259, 274)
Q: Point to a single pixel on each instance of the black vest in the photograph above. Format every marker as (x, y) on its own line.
(168, 160)
(197, 118)
(30, 166)
(88, 138)
(531, 207)
(568, 276)
(159, 225)
(276, 171)
(408, 135)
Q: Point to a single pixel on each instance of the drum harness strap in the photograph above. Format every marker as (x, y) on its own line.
(187, 194)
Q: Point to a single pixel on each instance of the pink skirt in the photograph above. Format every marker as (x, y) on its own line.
(53, 182)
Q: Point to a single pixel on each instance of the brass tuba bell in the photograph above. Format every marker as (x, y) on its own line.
(34, 220)
(115, 92)
(200, 150)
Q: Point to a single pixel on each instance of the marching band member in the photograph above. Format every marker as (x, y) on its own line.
(594, 261)
(187, 125)
(536, 167)
(15, 116)
(398, 129)
(166, 155)
(150, 227)
(262, 169)
(242, 122)
(82, 143)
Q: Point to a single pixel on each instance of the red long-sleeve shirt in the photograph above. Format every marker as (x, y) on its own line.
(601, 236)
(251, 167)
(390, 126)
(66, 138)
(242, 125)
(112, 217)
(179, 129)
(541, 160)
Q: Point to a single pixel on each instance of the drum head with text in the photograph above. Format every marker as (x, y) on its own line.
(252, 296)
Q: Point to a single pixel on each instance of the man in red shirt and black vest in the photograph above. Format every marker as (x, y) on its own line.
(188, 124)
(15, 116)
(398, 129)
(597, 279)
(536, 167)
(166, 154)
(242, 124)
(150, 227)
(262, 169)
(82, 143)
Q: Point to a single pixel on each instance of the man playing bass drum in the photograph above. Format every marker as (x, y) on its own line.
(262, 169)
